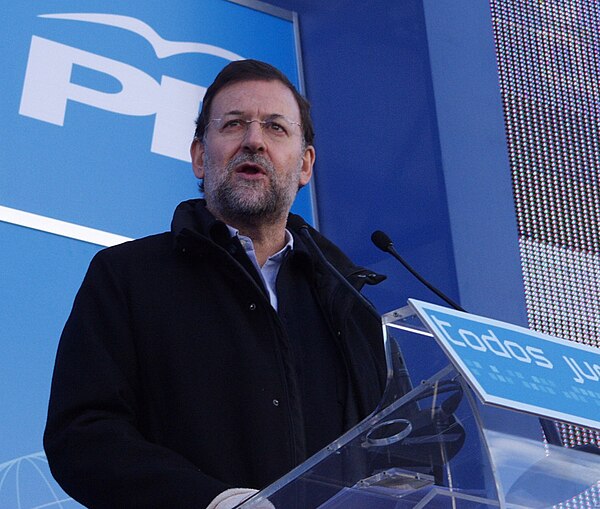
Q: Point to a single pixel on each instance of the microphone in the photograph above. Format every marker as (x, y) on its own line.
(297, 223)
(395, 359)
(383, 242)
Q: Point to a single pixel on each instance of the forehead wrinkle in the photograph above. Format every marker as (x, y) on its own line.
(270, 116)
(255, 97)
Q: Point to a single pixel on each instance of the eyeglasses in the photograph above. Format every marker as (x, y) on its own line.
(278, 128)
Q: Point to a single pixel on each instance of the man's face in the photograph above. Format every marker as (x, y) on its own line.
(254, 173)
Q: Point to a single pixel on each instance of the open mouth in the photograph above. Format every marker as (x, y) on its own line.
(250, 169)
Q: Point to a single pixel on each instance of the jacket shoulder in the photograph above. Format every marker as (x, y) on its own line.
(142, 247)
(136, 256)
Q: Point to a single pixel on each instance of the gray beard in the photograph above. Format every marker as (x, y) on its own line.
(250, 201)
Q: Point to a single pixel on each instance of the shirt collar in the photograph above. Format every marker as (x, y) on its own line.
(249, 245)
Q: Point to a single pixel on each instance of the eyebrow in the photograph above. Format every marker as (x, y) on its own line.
(239, 112)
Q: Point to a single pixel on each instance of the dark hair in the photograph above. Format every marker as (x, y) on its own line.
(252, 70)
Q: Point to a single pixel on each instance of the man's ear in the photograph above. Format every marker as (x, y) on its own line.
(308, 161)
(197, 153)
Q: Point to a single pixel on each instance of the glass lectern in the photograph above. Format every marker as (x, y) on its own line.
(434, 444)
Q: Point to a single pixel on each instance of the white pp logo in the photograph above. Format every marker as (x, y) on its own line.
(48, 87)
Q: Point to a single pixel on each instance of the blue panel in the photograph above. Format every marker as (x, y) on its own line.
(474, 154)
(378, 162)
(83, 153)
(40, 274)
(518, 368)
(100, 101)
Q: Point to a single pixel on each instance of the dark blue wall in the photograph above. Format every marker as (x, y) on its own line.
(367, 74)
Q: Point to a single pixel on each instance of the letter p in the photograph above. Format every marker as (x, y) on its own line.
(48, 86)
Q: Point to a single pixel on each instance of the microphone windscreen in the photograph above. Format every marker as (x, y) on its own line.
(381, 240)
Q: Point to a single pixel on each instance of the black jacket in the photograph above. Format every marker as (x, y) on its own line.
(172, 380)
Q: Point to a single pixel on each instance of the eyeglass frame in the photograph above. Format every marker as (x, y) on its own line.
(271, 120)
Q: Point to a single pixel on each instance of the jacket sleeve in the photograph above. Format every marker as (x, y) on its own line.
(93, 441)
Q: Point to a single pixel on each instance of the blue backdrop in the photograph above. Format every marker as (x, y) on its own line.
(409, 140)
(100, 107)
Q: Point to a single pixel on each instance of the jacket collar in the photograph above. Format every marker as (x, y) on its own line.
(357, 275)
(193, 225)
(192, 222)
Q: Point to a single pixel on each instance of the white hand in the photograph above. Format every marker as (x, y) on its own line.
(231, 498)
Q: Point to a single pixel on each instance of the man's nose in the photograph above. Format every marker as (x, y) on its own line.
(254, 138)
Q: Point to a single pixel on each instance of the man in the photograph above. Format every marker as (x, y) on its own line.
(200, 365)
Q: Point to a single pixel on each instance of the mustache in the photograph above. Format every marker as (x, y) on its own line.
(251, 158)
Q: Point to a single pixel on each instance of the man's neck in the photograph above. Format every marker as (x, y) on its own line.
(268, 236)
(267, 239)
